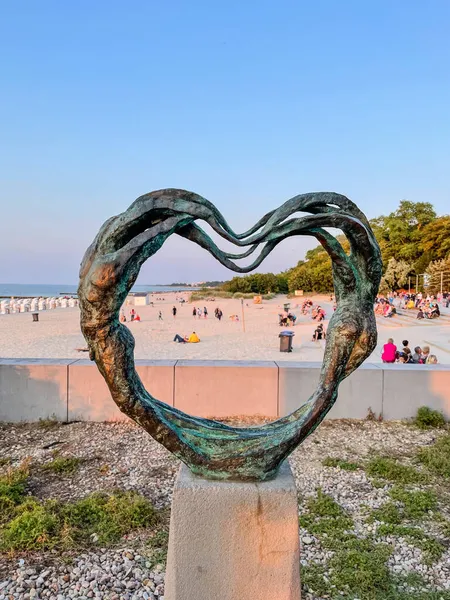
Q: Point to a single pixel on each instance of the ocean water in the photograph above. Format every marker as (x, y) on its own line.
(31, 290)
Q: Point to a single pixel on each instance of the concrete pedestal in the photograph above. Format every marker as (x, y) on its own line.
(233, 540)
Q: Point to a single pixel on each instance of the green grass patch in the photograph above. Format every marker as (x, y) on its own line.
(436, 458)
(387, 513)
(340, 463)
(390, 469)
(63, 465)
(158, 544)
(416, 504)
(98, 518)
(358, 569)
(428, 418)
(325, 516)
(12, 491)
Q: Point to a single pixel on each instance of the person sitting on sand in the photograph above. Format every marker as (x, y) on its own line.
(137, 318)
(123, 318)
(319, 333)
(193, 338)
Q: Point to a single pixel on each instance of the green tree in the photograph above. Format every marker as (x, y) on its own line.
(396, 274)
(399, 234)
(436, 238)
(439, 272)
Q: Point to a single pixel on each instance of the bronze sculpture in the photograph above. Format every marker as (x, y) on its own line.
(110, 268)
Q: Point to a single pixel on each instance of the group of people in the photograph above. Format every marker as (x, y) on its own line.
(427, 307)
(384, 307)
(287, 319)
(318, 313)
(133, 316)
(420, 356)
(428, 310)
(198, 312)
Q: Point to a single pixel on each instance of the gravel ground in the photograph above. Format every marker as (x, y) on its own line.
(122, 456)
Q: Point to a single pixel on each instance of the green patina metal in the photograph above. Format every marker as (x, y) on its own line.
(110, 268)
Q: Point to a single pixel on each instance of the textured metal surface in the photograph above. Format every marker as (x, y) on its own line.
(110, 268)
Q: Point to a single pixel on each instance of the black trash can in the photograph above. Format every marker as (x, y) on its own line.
(35, 317)
(286, 341)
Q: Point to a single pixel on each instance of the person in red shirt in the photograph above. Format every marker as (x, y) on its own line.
(389, 352)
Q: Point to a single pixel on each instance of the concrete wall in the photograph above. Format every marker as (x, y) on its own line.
(32, 389)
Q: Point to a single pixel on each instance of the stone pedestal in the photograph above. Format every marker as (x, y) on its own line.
(233, 540)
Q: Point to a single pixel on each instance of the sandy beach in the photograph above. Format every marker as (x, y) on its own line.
(57, 334)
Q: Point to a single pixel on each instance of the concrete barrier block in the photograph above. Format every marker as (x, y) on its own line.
(362, 391)
(408, 387)
(226, 388)
(89, 396)
(33, 389)
(233, 540)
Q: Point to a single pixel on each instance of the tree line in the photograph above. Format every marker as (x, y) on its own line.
(415, 249)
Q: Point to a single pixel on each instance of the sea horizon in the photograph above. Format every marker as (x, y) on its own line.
(8, 290)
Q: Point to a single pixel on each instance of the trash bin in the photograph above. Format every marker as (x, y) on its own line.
(35, 317)
(286, 341)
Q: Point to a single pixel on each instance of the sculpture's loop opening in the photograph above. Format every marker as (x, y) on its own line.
(111, 266)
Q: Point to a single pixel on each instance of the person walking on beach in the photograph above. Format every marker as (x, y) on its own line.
(174, 311)
(194, 312)
(199, 312)
(205, 312)
(160, 317)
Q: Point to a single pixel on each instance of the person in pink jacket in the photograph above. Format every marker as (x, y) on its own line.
(389, 351)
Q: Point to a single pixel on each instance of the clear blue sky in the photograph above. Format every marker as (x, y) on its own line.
(245, 102)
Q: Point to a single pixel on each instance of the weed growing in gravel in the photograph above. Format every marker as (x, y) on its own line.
(4, 461)
(158, 544)
(386, 513)
(428, 418)
(358, 567)
(415, 503)
(341, 463)
(436, 458)
(390, 469)
(101, 518)
(63, 465)
(12, 490)
(325, 516)
(49, 423)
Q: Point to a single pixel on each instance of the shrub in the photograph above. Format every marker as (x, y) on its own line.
(103, 517)
(428, 418)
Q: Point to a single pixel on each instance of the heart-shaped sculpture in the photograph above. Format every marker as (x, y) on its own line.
(110, 268)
